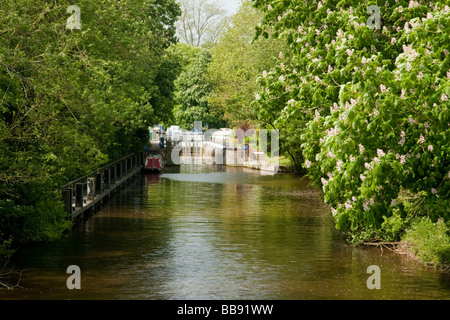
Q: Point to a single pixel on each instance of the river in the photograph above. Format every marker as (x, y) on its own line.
(215, 232)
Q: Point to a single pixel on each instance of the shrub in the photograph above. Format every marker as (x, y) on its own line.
(5, 248)
(429, 241)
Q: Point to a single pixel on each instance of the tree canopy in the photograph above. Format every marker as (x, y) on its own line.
(368, 107)
(73, 99)
(193, 89)
(236, 62)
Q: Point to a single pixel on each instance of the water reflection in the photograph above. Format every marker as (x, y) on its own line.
(217, 233)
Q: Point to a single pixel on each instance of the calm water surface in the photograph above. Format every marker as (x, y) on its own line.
(217, 233)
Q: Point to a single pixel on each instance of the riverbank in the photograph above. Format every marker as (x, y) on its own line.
(428, 242)
(416, 236)
(413, 252)
(423, 241)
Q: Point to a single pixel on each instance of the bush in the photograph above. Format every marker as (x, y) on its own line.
(393, 227)
(38, 215)
(429, 241)
(5, 248)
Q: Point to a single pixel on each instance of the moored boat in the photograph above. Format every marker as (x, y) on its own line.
(154, 162)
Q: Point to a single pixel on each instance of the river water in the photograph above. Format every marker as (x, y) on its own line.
(217, 233)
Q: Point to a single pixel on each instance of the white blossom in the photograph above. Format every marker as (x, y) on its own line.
(333, 211)
(339, 165)
(330, 176)
(408, 66)
(413, 4)
(348, 205)
(334, 107)
(421, 139)
(307, 163)
(407, 29)
(361, 149)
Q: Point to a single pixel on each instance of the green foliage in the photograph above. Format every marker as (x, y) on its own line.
(194, 90)
(393, 227)
(368, 109)
(236, 62)
(5, 248)
(72, 100)
(430, 241)
(39, 217)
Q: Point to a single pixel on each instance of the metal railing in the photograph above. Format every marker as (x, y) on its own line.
(77, 193)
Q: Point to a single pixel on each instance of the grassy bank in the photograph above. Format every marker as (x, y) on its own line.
(428, 242)
(417, 236)
(412, 229)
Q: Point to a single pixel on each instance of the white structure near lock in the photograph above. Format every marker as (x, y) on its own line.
(228, 147)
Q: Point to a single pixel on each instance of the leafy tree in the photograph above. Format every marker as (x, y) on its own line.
(73, 99)
(236, 62)
(193, 91)
(370, 105)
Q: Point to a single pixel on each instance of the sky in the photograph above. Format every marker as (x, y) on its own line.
(231, 5)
